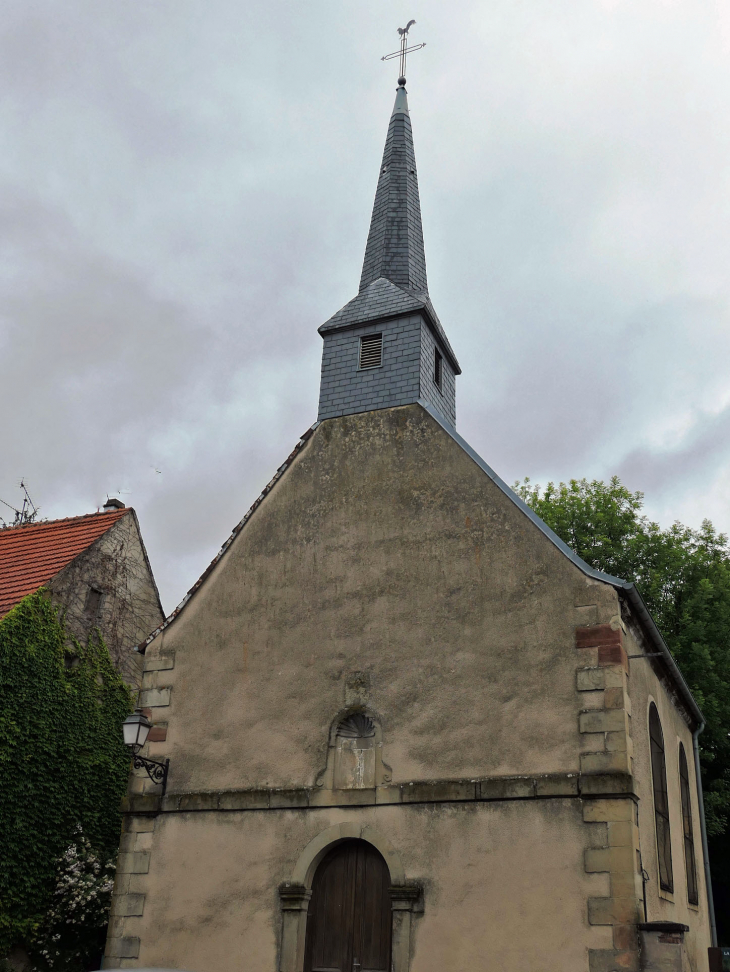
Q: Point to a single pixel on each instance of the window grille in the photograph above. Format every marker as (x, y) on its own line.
(661, 801)
(437, 368)
(371, 351)
(689, 844)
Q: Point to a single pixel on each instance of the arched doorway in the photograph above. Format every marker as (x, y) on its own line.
(349, 921)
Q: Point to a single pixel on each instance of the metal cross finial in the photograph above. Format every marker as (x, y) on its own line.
(404, 50)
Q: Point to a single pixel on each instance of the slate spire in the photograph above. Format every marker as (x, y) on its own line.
(386, 347)
(395, 243)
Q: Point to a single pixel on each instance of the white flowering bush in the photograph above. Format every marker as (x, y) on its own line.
(71, 936)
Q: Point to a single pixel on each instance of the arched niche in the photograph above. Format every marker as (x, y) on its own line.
(295, 895)
(354, 753)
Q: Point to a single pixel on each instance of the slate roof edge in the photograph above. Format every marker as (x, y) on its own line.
(328, 328)
(418, 308)
(627, 587)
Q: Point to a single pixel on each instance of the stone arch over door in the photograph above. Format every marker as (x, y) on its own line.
(296, 894)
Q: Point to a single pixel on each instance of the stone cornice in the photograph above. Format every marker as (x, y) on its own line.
(484, 790)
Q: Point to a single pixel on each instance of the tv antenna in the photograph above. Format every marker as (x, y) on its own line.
(403, 51)
(27, 512)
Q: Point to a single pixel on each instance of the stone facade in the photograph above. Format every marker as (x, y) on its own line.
(502, 773)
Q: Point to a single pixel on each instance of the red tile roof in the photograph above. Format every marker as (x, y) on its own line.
(32, 554)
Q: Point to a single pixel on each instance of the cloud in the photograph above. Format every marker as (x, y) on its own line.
(185, 194)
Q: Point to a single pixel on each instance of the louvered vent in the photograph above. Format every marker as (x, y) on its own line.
(437, 369)
(371, 351)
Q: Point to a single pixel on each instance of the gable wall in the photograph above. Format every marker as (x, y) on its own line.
(383, 549)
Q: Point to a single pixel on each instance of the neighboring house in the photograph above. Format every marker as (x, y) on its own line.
(96, 569)
(409, 730)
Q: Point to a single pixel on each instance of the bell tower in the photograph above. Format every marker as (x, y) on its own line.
(387, 347)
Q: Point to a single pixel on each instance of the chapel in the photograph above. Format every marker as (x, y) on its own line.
(408, 729)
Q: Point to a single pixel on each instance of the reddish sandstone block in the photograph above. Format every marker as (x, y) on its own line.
(625, 938)
(598, 636)
(613, 655)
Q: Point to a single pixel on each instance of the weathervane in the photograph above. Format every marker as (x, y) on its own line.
(404, 50)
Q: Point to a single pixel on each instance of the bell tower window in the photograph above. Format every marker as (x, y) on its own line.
(437, 363)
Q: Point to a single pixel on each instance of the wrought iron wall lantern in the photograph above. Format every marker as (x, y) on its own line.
(136, 728)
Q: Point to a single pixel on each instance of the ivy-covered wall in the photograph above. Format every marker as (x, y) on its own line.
(63, 765)
(116, 564)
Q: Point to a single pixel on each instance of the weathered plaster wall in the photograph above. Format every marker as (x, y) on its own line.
(117, 565)
(645, 686)
(384, 549)
(211, 900)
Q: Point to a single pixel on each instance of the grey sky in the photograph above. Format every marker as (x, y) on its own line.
(185, 190)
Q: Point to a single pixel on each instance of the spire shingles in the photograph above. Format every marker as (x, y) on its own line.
(393, 277)
(395, 244)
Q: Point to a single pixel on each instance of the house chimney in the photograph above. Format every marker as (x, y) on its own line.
(113, 504)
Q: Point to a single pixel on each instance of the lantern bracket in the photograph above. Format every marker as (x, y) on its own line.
(157, 772)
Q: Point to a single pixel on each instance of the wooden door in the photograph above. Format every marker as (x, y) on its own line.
(349, 919)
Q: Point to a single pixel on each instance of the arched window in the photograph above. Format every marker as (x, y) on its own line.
(661, 801)
(689, 844)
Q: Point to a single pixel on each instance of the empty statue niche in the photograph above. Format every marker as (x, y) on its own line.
(355, 754)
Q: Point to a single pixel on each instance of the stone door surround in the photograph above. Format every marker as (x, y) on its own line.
(296, 894)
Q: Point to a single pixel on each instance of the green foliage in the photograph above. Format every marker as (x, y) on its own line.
(683, 576)
(63, 763)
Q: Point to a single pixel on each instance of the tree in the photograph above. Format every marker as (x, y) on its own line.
(684, 577)
(64, 770)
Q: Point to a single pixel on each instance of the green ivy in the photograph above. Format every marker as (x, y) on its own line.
(63, 764)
